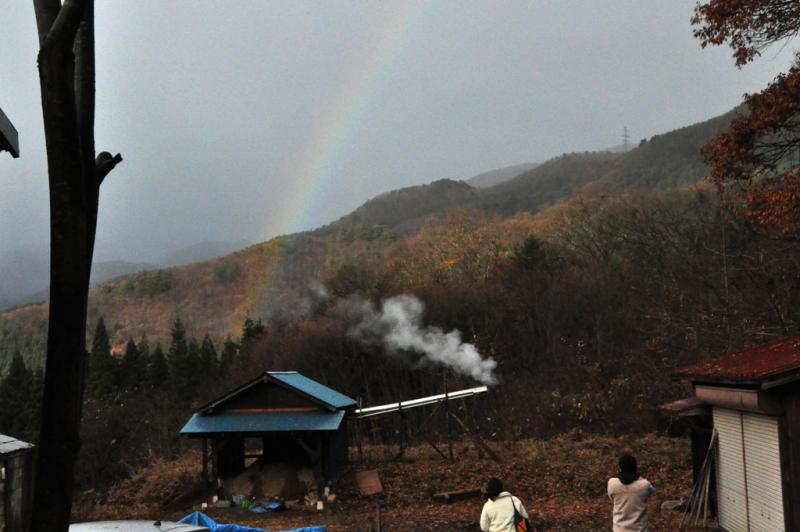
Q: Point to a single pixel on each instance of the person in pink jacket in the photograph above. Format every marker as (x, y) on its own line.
(630, 493)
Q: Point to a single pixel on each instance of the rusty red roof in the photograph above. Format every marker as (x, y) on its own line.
(753, 365)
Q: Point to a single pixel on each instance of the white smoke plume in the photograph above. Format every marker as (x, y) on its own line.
(398, 326)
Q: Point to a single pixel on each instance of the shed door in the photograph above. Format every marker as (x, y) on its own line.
(731, 491)
(762, 459)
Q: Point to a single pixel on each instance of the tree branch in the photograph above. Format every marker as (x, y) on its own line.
(104, 164)
(66, 24)
(46, 13)
(85, 89)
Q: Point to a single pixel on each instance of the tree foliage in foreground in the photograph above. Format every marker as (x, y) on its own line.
(756, 162)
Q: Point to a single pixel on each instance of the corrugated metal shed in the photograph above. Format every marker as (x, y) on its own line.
(9, 138)
(9, 445)
(263, 422)
(313, 388)
(297, 421)
(752, 366)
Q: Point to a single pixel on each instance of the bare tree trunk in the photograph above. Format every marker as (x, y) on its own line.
(66, 73)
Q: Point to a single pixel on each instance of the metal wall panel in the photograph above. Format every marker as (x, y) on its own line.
(762, 460)
(731, 490)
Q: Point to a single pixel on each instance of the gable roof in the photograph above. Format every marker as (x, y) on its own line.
(763, 365)
(312, 388)
(293, 381)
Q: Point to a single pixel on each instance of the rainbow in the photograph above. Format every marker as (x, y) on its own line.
(310, 172)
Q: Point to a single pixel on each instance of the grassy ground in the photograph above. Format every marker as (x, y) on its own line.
(561, 481)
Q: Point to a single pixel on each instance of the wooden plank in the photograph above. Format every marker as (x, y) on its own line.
(368, 482)
(457, 495)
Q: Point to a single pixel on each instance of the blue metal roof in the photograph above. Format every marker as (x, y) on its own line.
(263, 422)
(313, 388)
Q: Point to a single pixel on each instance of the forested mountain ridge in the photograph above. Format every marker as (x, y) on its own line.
(664, 161)
(404, 210)
(267, 280)
(494, 177)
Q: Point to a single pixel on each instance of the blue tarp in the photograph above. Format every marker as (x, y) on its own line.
(201, 519)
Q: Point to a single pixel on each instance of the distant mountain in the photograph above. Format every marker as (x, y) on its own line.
(665, 161)
(200, 252)
(404, 210)
(108, 270)
(548, 183)
(619, 148)
(25, 274)
(494, 177)
(668, 160)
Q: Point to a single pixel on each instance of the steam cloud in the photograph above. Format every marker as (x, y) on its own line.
(398, 327)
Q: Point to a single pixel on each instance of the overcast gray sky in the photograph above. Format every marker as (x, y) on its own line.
(248, 119)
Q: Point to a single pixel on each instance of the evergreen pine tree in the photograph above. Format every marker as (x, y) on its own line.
(144, 348)
(251, 331)
(195, 376)
(208, 360)
(134, 366)
(17, 401)
(158, 369)
(101, 364)
(181, 370)
(228, 357)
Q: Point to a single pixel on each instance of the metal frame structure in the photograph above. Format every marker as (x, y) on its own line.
(414, 403)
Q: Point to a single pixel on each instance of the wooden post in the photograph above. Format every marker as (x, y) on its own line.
(401, 434)
(447, 419)
(204, 452)
(214, 464)
(358, 436)
(469, 414)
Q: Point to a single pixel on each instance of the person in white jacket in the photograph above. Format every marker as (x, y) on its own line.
(498, 510)
(629, 492)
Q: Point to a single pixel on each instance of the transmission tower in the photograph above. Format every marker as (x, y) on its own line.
(625, 138)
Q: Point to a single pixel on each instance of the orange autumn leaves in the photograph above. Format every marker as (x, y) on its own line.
(756, 162)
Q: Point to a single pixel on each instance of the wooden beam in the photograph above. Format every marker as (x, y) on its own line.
(457, 495)
(432, 444)
(476, 439)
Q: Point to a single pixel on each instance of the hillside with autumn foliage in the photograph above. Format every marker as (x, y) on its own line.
(268, 280)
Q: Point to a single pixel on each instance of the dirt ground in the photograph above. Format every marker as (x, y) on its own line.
(561, 481)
